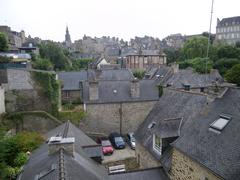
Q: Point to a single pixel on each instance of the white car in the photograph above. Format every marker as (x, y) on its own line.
(131, 140)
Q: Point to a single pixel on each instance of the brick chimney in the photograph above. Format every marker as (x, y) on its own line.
(135, 88)
(56, 143)
(93, 90)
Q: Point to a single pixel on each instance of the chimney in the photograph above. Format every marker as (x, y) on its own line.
(56, 143)
(175, 68)
(135, 88)
(93, 90)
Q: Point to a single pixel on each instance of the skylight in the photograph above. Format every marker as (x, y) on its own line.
(221, 122)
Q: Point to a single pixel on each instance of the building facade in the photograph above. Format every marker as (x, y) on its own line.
(228, 30)
(144, 60)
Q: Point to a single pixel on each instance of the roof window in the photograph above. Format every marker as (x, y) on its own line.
(220, 123)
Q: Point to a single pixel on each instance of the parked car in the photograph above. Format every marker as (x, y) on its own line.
(131, 140)
(107, 148)
(117, 140)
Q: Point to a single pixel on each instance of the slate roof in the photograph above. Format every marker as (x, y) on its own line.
(173, 106)
(195, 80)
(229, 21)
(151, 174)
(218, 152)
(79, 166)
(71, 80)
(148, 92)
(41, 165)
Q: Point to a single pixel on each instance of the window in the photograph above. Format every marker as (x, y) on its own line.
(157, 144)
(67, 94)
(219, 124)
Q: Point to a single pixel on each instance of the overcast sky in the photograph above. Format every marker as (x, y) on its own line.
(126, 19)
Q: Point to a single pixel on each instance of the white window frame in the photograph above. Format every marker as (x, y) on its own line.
(156, 149)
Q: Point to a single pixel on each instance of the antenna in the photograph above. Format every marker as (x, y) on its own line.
(209, 35)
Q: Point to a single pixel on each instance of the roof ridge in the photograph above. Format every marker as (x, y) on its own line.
(172, 119)
(61, 165)
(188, 92)
(66, 128)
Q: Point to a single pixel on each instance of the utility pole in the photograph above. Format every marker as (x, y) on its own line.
(209, 35)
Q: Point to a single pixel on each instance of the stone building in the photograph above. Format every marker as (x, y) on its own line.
(163, 124)
(15, 39)
(191, 136)
(124, 100)
(145, 59)
(209, 146)
(228, 30)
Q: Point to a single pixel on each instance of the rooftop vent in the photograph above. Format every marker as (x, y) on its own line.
(151, 125)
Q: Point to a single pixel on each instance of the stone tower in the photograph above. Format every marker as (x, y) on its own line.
(68, 41)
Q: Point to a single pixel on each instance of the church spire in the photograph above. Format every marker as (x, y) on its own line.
(67, 37)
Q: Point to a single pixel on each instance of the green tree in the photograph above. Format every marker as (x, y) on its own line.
(56, 55)
(228, 51)
(139, 74)
(43, 64)
(233, 75)
(195, 47)
(80, 64)
(198, 64)
(223, 65)
(173, 55)
(3, 42)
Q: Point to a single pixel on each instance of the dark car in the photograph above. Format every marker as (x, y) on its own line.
(107, 148)
(131, 140)
(117, 140)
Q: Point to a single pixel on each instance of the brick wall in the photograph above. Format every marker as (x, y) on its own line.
(106, 118)
(184, 168)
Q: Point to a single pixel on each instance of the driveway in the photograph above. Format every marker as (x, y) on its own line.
(119, 155)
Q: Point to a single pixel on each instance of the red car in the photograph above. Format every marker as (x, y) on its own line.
(106, 147)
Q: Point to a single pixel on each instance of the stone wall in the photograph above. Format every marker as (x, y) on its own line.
(144, 158)
(19, 79)
(39, 122)
(184, 168)
(26, 100)
(124, 117)
(2, 100)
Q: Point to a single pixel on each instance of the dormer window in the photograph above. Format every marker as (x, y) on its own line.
(219, 124)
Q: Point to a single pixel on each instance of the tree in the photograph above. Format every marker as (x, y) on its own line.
(195, 47)
(3, 42)
(173, 55)
(56, 55)
(139, 74)
(228, 51)
(80, 64)
(43, 64)
(233, 75)
(223, 65)
(198, 64)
